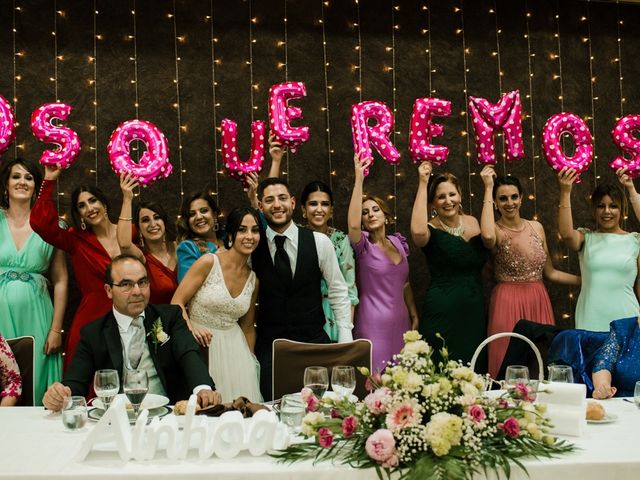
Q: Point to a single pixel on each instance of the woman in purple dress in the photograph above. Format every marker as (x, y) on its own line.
(386, 308)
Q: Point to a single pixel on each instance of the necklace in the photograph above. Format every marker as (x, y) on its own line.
(517, 230)
(455, 231)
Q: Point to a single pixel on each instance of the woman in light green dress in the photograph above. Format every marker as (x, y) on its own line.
(608, 255)
(25, 303)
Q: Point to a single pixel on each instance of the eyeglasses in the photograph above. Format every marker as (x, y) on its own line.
(127, 285)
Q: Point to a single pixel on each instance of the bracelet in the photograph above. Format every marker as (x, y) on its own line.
(564, 206)
(125, 219)
(59, 332)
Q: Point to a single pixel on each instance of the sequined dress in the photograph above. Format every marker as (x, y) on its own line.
(232, 366)
(519, 260)
(620, 355)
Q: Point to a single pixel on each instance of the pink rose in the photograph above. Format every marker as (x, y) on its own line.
(372, 382)
(523, 392)
(502, 403)
(511, 427)
(381, 445)
(335, 413)
(349, 425)
(476, 412)
(375, 400)
(310, 399)
(325, 437)
(391, 462)
(305, 393)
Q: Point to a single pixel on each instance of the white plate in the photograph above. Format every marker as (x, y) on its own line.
(493, 394)
(150, 402)
(334, 396)
(608, 418)
(96, 414)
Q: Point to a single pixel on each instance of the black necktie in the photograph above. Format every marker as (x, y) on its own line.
(281, 260)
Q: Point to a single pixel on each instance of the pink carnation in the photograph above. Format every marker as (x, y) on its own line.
(309, 399)
(381, 445)
(349, 425)
(511, 427)
(335, 413)
(375, 400)
(476, 412)
(373, 381)
(502, 403)
(325, 437)
(523, 392)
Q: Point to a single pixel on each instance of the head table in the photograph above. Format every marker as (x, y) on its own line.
(35, 446)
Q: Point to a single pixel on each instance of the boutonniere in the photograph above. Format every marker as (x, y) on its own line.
(158, 335)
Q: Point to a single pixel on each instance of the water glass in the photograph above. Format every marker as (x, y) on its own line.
(516, 374)
(317, 379)
(74, 413)
(560, 373)
(106, 384)
(292, 411)
(343, 380)
(636, 394)
(136, 386)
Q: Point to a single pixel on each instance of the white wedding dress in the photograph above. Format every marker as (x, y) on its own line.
(234, 369)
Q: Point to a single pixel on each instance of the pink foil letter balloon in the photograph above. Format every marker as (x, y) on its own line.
(422, 129)
(7, 126)
(154, 162)
(67, 141)
(556, 126)
(506, 115)
(623, 137)
(378, 135)
(281, 114)
(236, 168)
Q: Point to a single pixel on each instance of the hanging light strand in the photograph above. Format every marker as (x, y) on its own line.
(359, 49)
(15, 68)
(494, 11)
(135, 62)
(592, 81)
(534, 157)
(394, 27)
(427, 7)
(619, 23)
(94, 61)
(250, 62)
(177, 104)
(325, 65)
(465, 133)
(214, 98)
(54, 33)
(286, 66)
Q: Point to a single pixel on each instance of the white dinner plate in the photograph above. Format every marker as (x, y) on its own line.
(608, 418)
(493, 394)
(334, 396)
(96, 414)
(150, 402)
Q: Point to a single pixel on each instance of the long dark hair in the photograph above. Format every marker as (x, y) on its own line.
(502, 180)
(93, 190)
(182, 224)
(5, 173)
(162, 213)
(613, 191)
(234, 220)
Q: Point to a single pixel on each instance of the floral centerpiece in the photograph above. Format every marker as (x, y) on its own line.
(425, 421)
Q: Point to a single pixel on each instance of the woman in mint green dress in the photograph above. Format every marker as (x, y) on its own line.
(609, 256)
(25, 259)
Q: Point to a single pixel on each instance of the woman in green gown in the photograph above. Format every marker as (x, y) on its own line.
(25, 259)
(454, 305)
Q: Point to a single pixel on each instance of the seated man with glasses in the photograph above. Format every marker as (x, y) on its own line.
(136, 335)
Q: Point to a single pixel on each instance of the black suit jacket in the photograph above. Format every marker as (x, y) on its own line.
(178, 362)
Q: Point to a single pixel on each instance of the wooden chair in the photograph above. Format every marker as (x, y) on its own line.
(24, 350)
(291, 358)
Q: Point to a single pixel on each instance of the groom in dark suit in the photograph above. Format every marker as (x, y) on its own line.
(137, 335)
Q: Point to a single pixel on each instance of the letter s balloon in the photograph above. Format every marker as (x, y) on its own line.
(7, 125)
(556, 126)
(154, 162)
(67, 140)
(623, 137)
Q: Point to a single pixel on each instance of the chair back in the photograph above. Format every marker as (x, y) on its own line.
(290, 358)
(23, 349)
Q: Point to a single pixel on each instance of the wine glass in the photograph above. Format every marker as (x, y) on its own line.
(636, 394)
(292, 411)
(516, 374)
(560, 373)
(74, 412)
(343, 380)
(106, 384)
(136, 386)
(317, 379)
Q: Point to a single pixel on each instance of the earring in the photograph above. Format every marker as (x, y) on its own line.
(106, 213)
(83, 225)
(216, 227)
(6, 198)
(142, 241)
(386, 221)
(433, 212)
(304, 215)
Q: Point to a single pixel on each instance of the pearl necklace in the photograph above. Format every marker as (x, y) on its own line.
(455, 231)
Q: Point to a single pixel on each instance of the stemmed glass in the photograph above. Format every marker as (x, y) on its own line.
(343, 380)
(317, 379)
(560, 373)
(106, 384)
(516, 374)
(136, 386)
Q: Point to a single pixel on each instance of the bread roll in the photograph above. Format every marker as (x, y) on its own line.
(180, 408)
(595, 411)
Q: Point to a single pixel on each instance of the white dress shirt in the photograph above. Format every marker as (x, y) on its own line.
(328, 262)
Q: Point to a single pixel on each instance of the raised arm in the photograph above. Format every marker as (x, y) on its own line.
(571, 237)
(419, 215)
(60, 281)
(549, 271)
(252, 192)
(187, 288)
(487, 220)
(634, 197)
(277, 152)
(354, 218)
(127, 184)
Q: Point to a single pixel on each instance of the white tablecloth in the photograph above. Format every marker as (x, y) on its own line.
(34, 445)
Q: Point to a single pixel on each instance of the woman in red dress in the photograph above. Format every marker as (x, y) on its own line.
(91, 244)
(155, 250)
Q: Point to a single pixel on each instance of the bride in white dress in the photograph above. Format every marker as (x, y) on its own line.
(219, 292)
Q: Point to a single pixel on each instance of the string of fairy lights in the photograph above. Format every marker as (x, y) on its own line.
(16, 77)
(325, 65)
(592, 81)
(358, 48)
(285, 28)
(176, 105)
(619, 23)
(496, 53)
(94, 83)
(529, 96)
(394, 27)
(463, 112)
(427, 31)
(54, 79)
(214, 99)
(252, 20)
(134, 59)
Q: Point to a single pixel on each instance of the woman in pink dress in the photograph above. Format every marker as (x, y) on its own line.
(387, 308)
(520, 257)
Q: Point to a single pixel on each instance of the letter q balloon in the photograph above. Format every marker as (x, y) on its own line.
(154, 162)
(67, 141)
(7, 125)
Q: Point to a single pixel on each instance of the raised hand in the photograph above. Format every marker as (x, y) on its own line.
(487, 175)
(566, 178)
(276, 150)
(624, 178)
(127, 184)
(361, 166)
(252, 192)
(424, 171)
(52, 172)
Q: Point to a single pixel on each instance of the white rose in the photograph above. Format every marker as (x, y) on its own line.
(162, 336)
